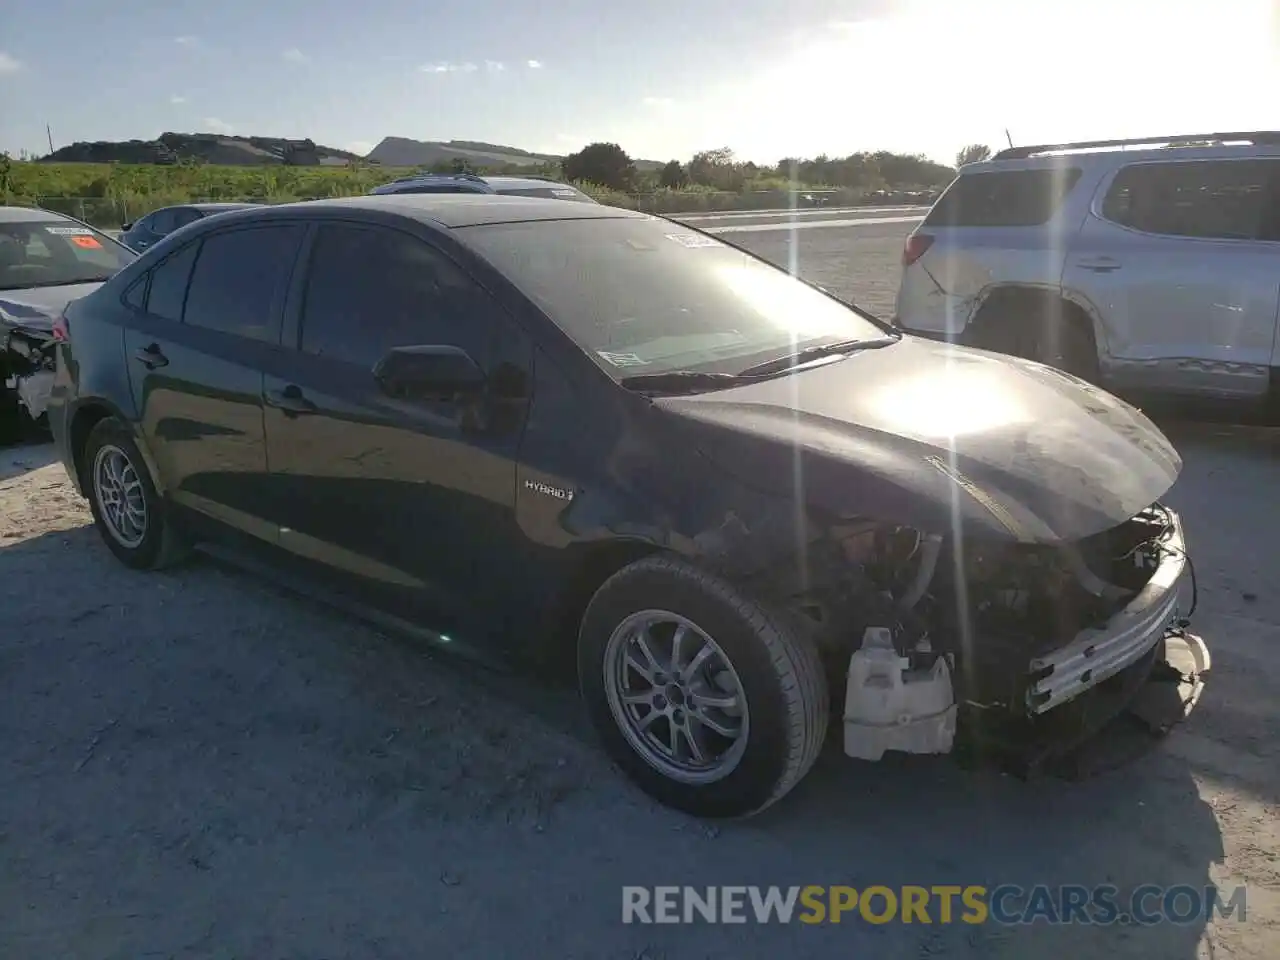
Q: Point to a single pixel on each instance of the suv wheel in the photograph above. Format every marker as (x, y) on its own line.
(710, 703)
(128, 512)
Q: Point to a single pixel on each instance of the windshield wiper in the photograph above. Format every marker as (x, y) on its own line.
(782, 364)
(683, 381)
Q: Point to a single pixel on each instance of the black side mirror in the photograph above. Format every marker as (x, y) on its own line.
(126, 226)
(429, 372)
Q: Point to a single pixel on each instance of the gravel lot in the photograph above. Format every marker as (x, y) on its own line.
(194, 765)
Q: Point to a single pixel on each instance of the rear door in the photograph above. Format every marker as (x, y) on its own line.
(412, 502)
(1180, 259)
(209, 319)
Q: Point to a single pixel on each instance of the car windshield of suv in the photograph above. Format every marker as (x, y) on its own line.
(52, 253)
(649, 296)
(550, 193)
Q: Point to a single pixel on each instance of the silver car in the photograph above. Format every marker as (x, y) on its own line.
(1149, 267)
(46, 261)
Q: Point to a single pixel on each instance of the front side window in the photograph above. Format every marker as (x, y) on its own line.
(53, 253)
(237, 278)
(161, 222)
(648, 296)
(1208, 199)
(370, 289)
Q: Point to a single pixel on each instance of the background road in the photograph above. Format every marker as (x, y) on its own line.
(194, 765)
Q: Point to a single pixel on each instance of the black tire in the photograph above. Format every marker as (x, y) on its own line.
(1069, 346)
(1053, 332)
(161, 544)
(778, 665)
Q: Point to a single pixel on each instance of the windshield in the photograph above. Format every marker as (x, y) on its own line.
(49, 253)
(648, 296)
(554, 192)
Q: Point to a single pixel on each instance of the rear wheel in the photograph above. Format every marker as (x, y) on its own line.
(708, 701)
(1048, 330)
(130, 515)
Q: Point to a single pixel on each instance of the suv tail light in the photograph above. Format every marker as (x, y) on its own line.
(61, 332)
(915, 248)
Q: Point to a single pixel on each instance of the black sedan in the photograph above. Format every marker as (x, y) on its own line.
(552, 428)
(158, 224)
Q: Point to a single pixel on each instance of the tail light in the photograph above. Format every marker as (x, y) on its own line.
(915, 248)
(61, 332)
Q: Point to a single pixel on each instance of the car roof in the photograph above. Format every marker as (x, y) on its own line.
(216, 206)
(457, 209)
(30, 215)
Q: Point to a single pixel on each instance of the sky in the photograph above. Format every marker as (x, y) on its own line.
(663, 78)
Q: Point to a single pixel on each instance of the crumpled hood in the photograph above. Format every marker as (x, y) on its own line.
(926, 434)
(35, 308)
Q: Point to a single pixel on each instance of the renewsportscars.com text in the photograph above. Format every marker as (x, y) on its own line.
(1006, 904)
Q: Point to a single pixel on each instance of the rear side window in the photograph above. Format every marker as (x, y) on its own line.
(371, 289)
(237, 278)
(169, 283)
(1223, 200)
(1003, 198)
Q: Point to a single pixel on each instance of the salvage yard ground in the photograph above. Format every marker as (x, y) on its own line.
(194, 765)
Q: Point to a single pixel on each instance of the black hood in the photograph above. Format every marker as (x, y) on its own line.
(926, 434)
(35, 308)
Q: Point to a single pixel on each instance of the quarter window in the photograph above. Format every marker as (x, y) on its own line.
(1003, 198)
(237, 278)
(370, 289)
(1226, 200)
(169, 283)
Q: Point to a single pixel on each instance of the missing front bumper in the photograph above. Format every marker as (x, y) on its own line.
(1129, 636)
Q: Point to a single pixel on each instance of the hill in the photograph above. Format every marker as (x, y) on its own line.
(212, 148)
(404, 152)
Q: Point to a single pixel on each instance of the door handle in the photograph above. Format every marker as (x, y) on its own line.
(151, 356)
(1100, 265)
(290, 400)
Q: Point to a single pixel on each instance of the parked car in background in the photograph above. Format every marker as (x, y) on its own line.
(46, 260)
(1148, 266)
(585, 431)
(149, 230)
(471, 183)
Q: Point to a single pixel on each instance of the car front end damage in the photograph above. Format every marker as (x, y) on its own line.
(27, 365)
(1042, 646)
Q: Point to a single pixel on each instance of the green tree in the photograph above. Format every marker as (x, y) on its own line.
(973, 153)
(716, 169)
(673, 176)
(605, 164)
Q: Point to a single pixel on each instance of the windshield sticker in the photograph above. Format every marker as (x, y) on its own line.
(88, 243)
(69, 231)
(693, 240)
(622, 359)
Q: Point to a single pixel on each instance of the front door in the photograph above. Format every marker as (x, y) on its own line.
(413, 500)
(196, 342)
(1181, 259)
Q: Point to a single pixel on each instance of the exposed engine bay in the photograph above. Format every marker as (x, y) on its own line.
(27, 364)
(927, 633)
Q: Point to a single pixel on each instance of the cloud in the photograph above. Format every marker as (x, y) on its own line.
(176, 100)
(215, 125)
(533, 64)
(361, 147)
(659, 103)
(494, 66)
(294, 55)
(187, 41)
(9, 64)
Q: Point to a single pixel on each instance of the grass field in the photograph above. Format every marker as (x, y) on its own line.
(111, 194)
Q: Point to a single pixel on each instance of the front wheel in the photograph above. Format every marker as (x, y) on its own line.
(711, 703)
(128, 512)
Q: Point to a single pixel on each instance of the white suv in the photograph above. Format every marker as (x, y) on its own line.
(1146, 266)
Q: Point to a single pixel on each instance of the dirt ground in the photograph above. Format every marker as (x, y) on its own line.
(195, 765)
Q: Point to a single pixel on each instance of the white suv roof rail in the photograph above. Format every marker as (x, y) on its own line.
(1252, 138)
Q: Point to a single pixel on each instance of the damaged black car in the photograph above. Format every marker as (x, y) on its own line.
(743, 512)
(46, 261)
